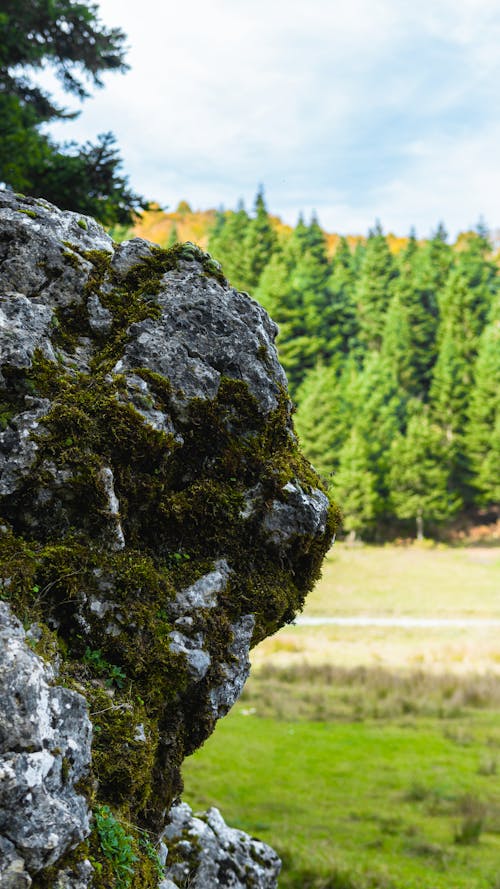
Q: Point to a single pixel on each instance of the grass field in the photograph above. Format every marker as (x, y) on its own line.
(369, 758)
(414, 580)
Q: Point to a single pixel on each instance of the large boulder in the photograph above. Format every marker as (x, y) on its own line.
(157, 519)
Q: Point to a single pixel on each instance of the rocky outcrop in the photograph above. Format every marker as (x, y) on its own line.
(156, 520)
(203, 851)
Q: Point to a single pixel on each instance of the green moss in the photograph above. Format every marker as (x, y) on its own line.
(30, 213)
(6, 413)
(72, 258)
(83, 224)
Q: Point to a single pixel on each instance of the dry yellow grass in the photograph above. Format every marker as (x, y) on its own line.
(436, 650)
(394, 580)
(398, 581)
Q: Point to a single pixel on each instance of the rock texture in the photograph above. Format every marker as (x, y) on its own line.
(203, 851)
(156, 520)
(45, 737)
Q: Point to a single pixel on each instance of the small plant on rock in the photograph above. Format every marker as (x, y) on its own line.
(116, 846)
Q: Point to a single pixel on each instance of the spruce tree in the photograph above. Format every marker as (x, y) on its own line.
(355, 486)
(380, 406)
(417, 290)
(449, 393)
(466, 299)
(67, 37)
(226, 244)
(420, 473)
(374, 288)
(294, 288)
(342, 315)
(324, 415)
(173, 237)
(397, 352)
(259, 243)
(483, 418)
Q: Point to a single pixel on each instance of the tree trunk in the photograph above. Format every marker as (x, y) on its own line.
(420, 526)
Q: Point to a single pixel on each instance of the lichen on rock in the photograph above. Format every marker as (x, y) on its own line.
(157, 518)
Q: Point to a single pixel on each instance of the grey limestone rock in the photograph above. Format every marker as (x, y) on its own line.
(198, 660)
(150, 485)
(45, 738)
(12, 871)
(202, 593)
(206, 332)
(24, 326)
(206, 852)
(18, 446)
(235, 671)
(77, 877)
(299, 513)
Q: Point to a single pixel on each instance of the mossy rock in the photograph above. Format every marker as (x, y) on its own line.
(157, 516)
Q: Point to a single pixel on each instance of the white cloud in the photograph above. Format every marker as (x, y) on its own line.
(360, 109)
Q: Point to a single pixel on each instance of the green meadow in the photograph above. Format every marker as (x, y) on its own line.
(372, 765)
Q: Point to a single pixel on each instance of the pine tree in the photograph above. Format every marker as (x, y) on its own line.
(259, 244)
(483, 420)
(342, 315)
(324, 415)
(397, 352)
(226, 242)
(355, 486)
(275, 289)
(294, 288)
(449, 392)
(309, 279)
(380, 413)
(374, 288)
(420, 473)
(417, 290)
(173, 237)
(466, 299)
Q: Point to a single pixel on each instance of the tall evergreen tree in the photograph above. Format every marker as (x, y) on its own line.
(417, 290)
(294, 289)
(226, 242)
(374, 288)
(380, 410)
(467, 297)
(397, 352)
(483, 421)
(173, 237)
(324, 415)
(309, 279)
(420, 473)
(342, 315)
(450, 387)
(355, 486)
(259, 243)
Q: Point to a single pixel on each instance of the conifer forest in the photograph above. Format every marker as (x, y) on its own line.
(392, 352)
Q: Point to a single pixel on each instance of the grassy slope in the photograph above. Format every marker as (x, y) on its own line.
(353, 801)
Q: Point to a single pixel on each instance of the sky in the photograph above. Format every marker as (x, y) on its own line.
(359, 110)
